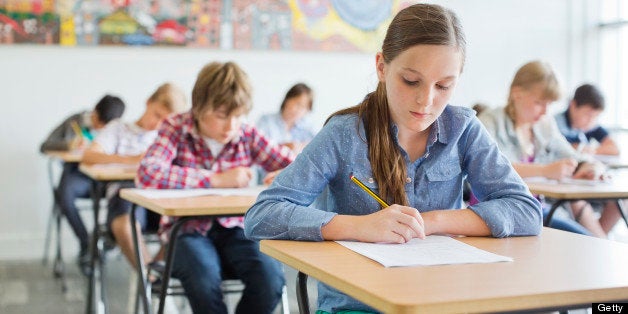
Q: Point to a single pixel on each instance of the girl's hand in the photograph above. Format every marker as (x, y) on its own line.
(589, 171)
(394, 224)
(560, 169)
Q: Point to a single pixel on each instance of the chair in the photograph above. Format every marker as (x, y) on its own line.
(58, 267)
(230, 285)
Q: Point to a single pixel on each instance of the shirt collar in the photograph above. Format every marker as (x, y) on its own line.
(437, 133)
(567, 120)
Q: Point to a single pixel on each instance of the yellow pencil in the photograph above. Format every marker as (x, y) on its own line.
(77, 129)
(369, 191)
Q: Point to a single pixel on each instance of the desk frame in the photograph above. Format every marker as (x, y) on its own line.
(58, 267)
(193, 212)
(96, 292)
(449, 288)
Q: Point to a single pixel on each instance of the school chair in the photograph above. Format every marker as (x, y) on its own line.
(230, 284)
(58, 268)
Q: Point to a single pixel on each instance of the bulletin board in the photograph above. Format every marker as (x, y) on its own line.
(329, 25)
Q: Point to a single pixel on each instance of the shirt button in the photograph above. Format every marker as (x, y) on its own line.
(408, 179)
(371, 180)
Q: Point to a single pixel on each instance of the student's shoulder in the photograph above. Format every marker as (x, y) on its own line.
(492, 115)
(342, 124)
(458, 116)
(458, 112)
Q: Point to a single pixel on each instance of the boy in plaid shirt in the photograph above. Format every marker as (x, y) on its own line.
(211, 147)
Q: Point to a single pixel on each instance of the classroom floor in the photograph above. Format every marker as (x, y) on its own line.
(29, 286)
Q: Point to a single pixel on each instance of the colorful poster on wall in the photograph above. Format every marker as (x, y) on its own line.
(332, 25)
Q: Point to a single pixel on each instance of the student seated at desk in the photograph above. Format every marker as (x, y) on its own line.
(579, 122)
(532, 142)
(211, 147)
(125, 143)
(74, 184)
(290, 126)
(409, 146)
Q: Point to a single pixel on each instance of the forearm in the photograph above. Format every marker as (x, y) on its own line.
(456, 222)
(529, 170)
(607, 147)
(341, 227)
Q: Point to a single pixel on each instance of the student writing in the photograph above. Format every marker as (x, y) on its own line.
(210, 146)
(410, 147)
(534, 145)
(126, 143)
(579, 123)
(73, 134)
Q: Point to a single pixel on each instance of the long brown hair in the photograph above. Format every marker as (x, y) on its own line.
(419, 24)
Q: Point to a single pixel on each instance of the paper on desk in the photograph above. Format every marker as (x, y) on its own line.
(566, 181)
(180, 193)
(433, 250)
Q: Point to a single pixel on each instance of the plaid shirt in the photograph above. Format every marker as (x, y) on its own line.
(179, 158)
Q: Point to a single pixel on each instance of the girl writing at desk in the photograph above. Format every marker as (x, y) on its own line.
(407, 145)
(535, 146)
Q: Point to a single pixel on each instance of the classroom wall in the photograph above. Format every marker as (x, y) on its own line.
(39, 86)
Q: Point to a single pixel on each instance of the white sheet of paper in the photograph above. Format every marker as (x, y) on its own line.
(565, 181)
(433, 250)
(180, 193)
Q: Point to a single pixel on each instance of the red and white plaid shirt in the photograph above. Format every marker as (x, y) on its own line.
(179, 159)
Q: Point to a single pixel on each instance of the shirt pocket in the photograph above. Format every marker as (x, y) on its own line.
(444, 185)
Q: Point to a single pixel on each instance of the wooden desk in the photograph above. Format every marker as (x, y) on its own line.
(614, 162)
(616, 189)
(186, 209)
(101, 174)
(65, 156)
(109, 172)
(557, 270)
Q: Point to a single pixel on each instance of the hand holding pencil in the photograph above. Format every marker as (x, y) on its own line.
(394, 223)
(78, 142)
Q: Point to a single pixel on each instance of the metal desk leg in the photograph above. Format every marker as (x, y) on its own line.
(58, 266)
(620, 207)
(302, 298)
(169, 258)
(139, 265)
(95, 290)
(53, 212)
(548, 219)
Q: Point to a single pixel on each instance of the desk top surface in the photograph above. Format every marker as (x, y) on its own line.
(554, 269)
(109, 172)
(616, 188)
(192, 206)
(66, 156)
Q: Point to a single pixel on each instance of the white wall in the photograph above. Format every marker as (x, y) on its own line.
(39, 86)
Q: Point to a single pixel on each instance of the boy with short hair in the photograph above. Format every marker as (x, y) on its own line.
(579, 122)
(210, 146)
(74, 184)
(126, 143)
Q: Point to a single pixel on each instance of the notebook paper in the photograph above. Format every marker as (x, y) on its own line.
(433, 250)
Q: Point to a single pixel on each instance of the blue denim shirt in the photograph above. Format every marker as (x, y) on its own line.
(459, 147)
(274, 128)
